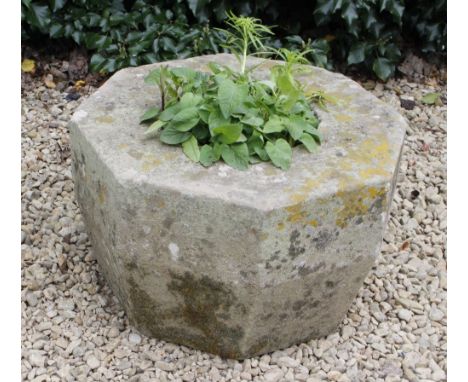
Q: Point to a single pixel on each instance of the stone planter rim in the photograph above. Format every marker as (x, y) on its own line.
(374, 135)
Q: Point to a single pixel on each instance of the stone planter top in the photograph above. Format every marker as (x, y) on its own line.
(362, 139)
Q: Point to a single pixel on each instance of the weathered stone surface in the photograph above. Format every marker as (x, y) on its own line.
(235, 263)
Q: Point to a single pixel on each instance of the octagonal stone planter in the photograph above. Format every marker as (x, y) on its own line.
(235, 263)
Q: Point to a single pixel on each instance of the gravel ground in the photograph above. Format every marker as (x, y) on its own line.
(74, 329)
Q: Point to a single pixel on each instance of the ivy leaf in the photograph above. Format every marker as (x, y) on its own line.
(97, 41)
(431, 98)
(57, 4)
(280, 153)
(207, 156)
(171, 136)
(190, 148)
(349, 14)
(356, 53)
(38, 15)
(97, 62)
(229, 133)
(149, 114)
(236, 156)
(383, 68)
(309, 142)
(230, 96)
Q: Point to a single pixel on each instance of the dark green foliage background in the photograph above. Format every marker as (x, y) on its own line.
(368, 33)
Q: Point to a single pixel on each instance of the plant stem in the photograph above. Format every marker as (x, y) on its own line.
(244, 56)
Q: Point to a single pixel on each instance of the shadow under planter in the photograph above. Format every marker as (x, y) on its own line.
(236, 263)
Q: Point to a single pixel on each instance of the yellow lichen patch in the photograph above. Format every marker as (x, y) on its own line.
(343, 118)
(313, 223)
(149, 165)
(271, 171)
(122, 146)
(372, 157)
(280, 226)
(370, 172)
(357, 203)
(341, 99)
(263, 236)
(102, 193)
(296, 213)
(169, 156)
(105, 119)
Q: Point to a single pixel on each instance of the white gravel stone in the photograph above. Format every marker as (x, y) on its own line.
(134, 338)
(93, 362)
(405, 314)
(273, 375)
(287, 362)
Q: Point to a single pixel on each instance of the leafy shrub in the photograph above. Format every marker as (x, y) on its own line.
(368, 34)
(230, 115)
(119, 38)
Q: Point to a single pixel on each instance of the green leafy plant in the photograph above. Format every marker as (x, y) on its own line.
(228, 114)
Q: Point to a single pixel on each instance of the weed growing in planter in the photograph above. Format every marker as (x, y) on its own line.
(229, 115)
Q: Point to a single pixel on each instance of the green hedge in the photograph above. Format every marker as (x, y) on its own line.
(365, 33)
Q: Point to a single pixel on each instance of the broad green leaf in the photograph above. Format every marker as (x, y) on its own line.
(256, 146)
(236, 156)
(154, 128)
(216, 119)
(149, 114)
(295, 125)
(253, 121)
(229, 133)
(154, 77)
(383, 68)
(217, 149)
(231, 96)
(207, 156)
(190, 148)
(273, 125)
(430, 98)
(169, 112)
(185, 125)
(280, 153)
(190, 100)
(172, 136)
(186, 74)
(186, 114)
(309, 142)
